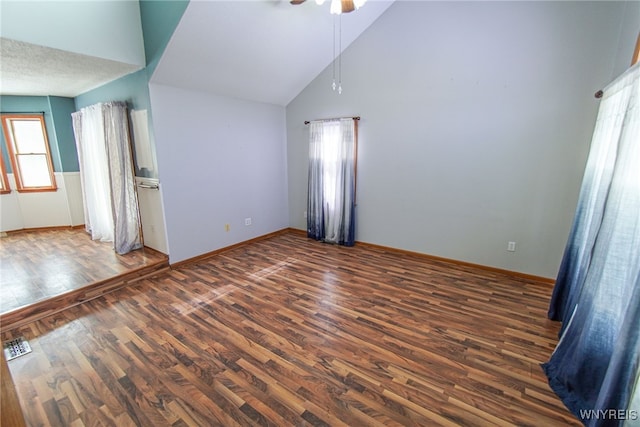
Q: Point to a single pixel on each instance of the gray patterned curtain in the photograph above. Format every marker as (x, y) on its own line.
(107, 175)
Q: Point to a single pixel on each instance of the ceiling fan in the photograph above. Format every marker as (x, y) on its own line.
(337, 6)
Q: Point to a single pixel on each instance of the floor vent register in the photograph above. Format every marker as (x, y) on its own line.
(15, 348)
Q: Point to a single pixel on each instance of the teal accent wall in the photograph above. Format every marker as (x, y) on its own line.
(5, 154)
(132, 88)
(159, 21)
(61, 109)
(36, 104)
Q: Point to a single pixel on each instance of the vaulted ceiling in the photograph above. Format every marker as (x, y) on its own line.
(264, 51)
(259, 50)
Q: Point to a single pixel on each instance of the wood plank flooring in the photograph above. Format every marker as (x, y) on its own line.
(36, 265)
(291, 332)
(10, 413)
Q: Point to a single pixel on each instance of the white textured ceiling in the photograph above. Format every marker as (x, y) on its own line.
(33, 70)
(264, 51)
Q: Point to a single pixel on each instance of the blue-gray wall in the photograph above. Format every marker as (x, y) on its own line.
(476, 124)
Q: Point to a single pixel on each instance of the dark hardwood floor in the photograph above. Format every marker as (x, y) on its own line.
(288, 331)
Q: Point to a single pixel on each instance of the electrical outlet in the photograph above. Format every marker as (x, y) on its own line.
(247, 221)
(227, 227)
(511, 246)
(305, 214)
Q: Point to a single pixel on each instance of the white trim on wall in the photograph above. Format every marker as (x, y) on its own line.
(43, 209)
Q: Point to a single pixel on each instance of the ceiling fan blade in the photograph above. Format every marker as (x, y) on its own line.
(297, 1)
(348, 6)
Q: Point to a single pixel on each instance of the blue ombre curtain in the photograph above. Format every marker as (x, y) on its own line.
(332, 181)
(597, 294)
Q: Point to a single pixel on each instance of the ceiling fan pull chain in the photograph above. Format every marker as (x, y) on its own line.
(340, 55)
(333, 64)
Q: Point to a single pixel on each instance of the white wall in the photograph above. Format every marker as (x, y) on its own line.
(10, 215)
(476, 124)
(101, 28)
(152, 214)
(63, 207)
(220, 160)
(75, 203)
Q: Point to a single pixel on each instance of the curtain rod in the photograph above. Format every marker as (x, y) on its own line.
(23, 112)
(306, 122)
(598, 94)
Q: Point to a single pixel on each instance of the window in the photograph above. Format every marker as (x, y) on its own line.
(28, 148)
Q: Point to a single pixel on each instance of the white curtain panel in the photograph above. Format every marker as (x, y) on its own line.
(88, 126)
(107, 175)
